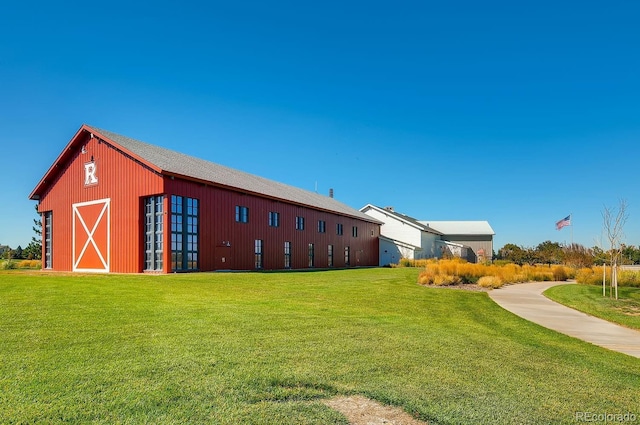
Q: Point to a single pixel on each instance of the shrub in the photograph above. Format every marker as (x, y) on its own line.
(446, 280)
(406, 262)
(589, 276)
(29, 264)
(629, 278)
(8, 265)
(426, 278)
(559, 273)
(490, 282)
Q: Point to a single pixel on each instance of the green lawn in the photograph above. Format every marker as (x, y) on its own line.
(588, 298)
(263, 348)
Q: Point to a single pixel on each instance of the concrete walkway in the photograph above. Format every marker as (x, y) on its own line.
(526, 300)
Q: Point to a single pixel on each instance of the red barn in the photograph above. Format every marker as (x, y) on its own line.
(114, 204)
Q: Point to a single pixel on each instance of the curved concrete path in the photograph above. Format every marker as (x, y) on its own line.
(526, 300)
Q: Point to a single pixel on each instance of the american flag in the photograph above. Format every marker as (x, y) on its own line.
(564, 222)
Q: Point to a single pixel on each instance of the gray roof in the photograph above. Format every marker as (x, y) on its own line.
(420, 225)
(172, 162)
(461, 227)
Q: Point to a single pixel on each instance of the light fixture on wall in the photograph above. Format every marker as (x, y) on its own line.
(84, 149)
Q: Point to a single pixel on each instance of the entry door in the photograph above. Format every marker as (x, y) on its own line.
(223, 258)
(91, 236)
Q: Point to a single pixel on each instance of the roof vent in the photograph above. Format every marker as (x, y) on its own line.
(389, 208)
(331, 193)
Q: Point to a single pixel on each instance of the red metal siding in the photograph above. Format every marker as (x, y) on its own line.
(121, 180)
(223, 243)
(218, 226)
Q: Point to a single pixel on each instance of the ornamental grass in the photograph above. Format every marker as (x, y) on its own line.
(457, 271)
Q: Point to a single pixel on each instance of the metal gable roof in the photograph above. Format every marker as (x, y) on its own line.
(461, 227)
(402, 217)
(175, 163)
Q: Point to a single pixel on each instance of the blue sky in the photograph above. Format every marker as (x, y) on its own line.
(511, 112)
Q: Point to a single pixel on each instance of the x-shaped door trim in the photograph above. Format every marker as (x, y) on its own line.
(90, 233)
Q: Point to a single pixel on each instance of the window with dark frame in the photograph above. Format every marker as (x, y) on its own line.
(354, 231)
(258, 253)
(154, 233)
(184, 233)
(287, 255)
(311, 255)
(48, 227)
(322, 226)
(339, 229)
(347, 258)
(299, 223)
(242, 214)
(330, 255)
(274, 219)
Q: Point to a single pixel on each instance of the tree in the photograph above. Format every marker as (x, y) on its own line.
(17, 254)
(550, 253)
(600, 256)
(514, 253)
(630, 254)
(613, 223)
(576, 255)
(35, 247)
(33, 251)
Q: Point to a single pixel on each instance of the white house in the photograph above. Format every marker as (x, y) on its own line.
(402, 236)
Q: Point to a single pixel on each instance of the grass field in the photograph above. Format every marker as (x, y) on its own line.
(588, 298)
(264, 348)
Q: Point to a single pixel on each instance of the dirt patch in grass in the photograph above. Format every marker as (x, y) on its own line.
(629, 310)
(363, 411)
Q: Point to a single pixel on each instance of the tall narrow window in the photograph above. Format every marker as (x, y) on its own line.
(48, 227)
(153, 232)
(354, 231)
(258, 253)
(192, 234)
(330, 255)
(287, 255)
(347, 258)
(311, 255)
(184, 233)
(242, 214)
(339, 229)
(299, 223)
(274, 219)
(322, 226)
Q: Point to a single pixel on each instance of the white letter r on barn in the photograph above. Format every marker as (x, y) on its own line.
(90, 174)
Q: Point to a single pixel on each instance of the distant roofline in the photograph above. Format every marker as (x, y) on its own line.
(404, 218)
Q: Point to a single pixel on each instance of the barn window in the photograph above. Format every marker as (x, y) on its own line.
(287, 255)
(339, 229)
(258, 253)
(322, 226)
(354, 231)
(299, 223)
(154, 243)
(311, 255)
(184, 233)
(330, 255)
(274, 219)
(347, 258)
(48, 227)
(242, 214)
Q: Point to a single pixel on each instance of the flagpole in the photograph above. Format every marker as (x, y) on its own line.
(571, 221)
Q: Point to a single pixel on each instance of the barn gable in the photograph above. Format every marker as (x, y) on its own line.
(115, 204)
